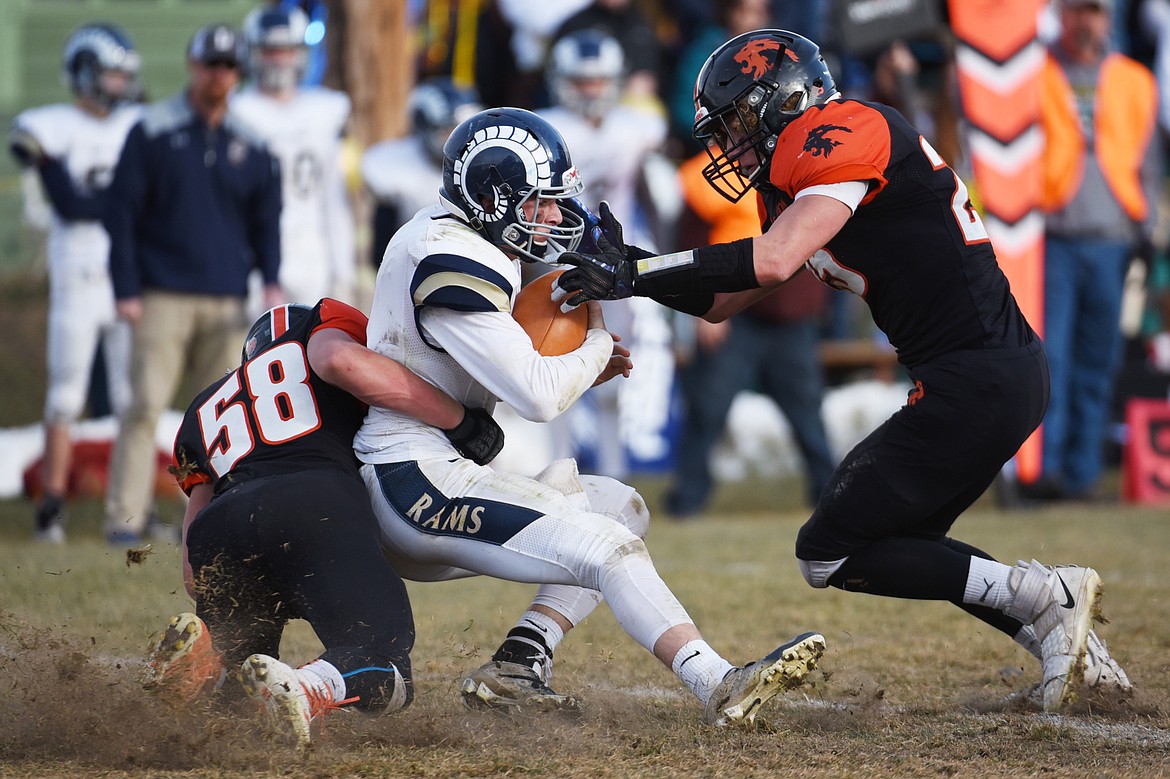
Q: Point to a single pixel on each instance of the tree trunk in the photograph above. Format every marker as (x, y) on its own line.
(370, 58)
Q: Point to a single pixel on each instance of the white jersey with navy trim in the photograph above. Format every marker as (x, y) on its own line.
(316, 222)
(609, 158)
(442, 307)
(88, 146)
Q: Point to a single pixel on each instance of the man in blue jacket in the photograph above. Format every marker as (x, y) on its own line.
(194, 207)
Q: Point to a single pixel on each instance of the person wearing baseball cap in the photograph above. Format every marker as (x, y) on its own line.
(216, 44)
(193, 209)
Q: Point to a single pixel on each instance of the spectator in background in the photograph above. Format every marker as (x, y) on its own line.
(611, 140)
(732, 17)
(772, 345)
(303, 128)
(404, 174)
(73, 149)
(1098, 112)
(193, 208)
(625, 22)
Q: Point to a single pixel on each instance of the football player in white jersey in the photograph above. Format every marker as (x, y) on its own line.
(73, 147)
(303, 127)
(442, 307)
(611, 140)
(404, 174)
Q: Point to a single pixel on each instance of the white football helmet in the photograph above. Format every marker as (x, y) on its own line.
(585, 73)
(277, 53)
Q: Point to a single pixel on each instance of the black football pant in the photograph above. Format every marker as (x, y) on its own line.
(894, 497)
(303, 545)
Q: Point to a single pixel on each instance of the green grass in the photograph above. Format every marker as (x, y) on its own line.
(908, 689)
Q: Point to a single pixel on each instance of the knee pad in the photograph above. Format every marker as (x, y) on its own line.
(817, 572)
(618, 501)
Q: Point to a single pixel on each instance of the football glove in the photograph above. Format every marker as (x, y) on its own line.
(477, 437)
(26, 148)
(607, 274)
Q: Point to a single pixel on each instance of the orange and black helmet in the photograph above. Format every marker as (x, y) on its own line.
(747, 92)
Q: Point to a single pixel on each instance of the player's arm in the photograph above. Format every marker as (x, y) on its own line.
(200, 496)
(70, 203)
(377, 380)
(776, 256)
(492, 347)
(714, 281)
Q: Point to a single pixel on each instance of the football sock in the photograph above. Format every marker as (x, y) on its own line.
(532, 640)
(700, 668)
(323, 676)
(987, 584)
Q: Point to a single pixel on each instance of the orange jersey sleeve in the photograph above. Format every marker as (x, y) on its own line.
(843, 140)
(344, 317)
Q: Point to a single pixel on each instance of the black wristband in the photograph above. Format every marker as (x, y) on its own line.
(465, 427)
(723, 267)
(694, 303)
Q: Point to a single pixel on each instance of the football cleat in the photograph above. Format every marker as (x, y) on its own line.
(738, 698)
(1060, 603)
(504, 685)
(1103, 674)
(183, 663)
(290, 706)
(1105, 680)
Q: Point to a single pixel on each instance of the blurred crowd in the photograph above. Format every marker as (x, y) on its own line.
(616, 78)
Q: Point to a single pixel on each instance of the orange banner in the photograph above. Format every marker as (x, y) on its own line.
(999, 63)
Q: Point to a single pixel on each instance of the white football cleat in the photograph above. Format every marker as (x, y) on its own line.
(738, 698)
(1103, 674)
(1060, 603)
(290, 705)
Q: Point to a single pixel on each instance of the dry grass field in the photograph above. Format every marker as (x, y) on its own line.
(906, 688)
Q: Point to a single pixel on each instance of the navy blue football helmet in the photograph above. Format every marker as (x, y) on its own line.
(93, 49)
(272, 324)
(437, 105)
(497, 161)
(747, 92)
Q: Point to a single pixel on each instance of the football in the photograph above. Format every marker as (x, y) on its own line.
(552, 331)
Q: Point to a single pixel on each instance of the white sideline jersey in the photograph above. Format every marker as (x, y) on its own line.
(442, 307)
(400, 172)
(627, 420)
(609, 156)
(316, 221)
(89, 147)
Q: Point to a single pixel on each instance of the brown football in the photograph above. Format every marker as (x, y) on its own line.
(552, 332)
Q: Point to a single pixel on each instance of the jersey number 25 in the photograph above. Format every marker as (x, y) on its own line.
(965, 214)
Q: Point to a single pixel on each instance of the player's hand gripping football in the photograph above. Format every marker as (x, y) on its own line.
(477, 437)
(607, 275)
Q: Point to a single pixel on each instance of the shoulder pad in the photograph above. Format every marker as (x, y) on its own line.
(461, 284)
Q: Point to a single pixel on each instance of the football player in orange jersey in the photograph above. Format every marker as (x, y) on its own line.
(850, 191)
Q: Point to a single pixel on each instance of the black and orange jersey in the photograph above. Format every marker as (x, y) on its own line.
(915, 249)
(273, 415)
